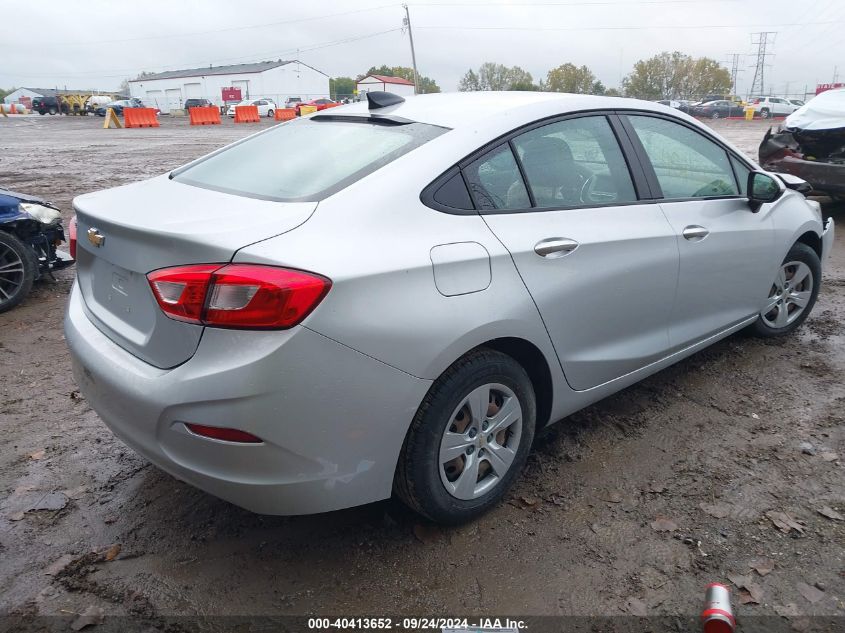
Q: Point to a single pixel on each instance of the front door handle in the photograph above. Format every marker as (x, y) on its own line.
(555, 247)
(695, 233)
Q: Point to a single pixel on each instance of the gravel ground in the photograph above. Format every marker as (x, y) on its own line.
(726, 467)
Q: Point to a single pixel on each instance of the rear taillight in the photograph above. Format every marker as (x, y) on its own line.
(243, 296)
(71, 230)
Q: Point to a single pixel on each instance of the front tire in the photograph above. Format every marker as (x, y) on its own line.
(764, 113)
(270, 114)
(469, 439)
(17, 271)
(792, 295)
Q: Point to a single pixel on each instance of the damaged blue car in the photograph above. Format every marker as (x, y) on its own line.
(30, 233)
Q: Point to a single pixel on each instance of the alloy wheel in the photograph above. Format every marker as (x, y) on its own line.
(11, 273)
(789, 296)
(480, 441)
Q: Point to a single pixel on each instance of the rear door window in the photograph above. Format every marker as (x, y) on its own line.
(575, 162)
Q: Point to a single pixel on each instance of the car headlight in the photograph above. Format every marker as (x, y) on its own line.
(39, 212)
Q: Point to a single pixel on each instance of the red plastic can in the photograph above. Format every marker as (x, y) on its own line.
(718, 616)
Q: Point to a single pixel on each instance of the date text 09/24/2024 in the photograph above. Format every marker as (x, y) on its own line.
(446, 625)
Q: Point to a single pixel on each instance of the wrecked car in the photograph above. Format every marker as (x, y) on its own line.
(811, 145)
(30, 234)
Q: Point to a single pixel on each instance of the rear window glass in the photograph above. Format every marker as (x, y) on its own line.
(305, 159)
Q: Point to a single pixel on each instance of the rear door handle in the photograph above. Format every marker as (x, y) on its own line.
(555, 247)
(695, 233)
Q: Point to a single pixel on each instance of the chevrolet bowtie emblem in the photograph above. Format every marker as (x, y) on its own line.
(95, 237)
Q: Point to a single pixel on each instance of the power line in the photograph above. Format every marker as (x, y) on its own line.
(673, 27)
(758, 84)
(125, 71)
(578, 3)
(98, 42)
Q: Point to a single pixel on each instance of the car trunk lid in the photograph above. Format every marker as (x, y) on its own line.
(154, 224)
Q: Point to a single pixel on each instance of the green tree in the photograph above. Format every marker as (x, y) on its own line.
(492, 76)
(571, 78)
(469, 82)
(4, 93)
(340, 87)
(427, 84)
(676, 76)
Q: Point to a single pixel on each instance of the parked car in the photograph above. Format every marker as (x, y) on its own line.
(767, 107)
(119, 105)
(811, 144)
(718, 109)
(292, 102)
(49, 105)
(30, 234)
(266, 107)
(672, 103)
(197, 103)
(320, 104)
(452, 279)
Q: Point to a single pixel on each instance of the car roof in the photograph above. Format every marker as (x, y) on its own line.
(464, 109)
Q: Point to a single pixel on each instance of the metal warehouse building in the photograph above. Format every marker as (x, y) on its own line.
(277, 80)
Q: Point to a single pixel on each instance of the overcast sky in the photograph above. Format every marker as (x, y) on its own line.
(97, 43)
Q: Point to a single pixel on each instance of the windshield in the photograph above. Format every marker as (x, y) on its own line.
(330, 155)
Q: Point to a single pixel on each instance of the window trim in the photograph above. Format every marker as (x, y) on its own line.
(651, 175)
(647, 189)
(635, 171)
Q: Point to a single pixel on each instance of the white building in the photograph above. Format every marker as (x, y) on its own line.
(396, 85)
(277, 80)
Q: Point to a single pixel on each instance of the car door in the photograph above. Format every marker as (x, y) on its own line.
(725, 249)
(600, 264)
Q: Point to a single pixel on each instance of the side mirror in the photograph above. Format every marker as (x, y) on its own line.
(762, 188)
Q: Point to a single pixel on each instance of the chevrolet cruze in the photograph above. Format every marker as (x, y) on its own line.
(430, 283)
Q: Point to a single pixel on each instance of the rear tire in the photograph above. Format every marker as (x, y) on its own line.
(270, 114)
(469, 439)
(792, 295)
(18, 267)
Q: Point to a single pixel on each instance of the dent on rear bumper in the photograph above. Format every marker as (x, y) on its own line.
(332, 419)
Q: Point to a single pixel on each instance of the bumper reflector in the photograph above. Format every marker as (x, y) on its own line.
(224, 434)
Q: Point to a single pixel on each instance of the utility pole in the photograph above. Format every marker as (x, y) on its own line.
(407, 22)
(762, 42)
(734, 59)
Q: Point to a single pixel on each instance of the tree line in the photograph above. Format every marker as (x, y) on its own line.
(664, 76)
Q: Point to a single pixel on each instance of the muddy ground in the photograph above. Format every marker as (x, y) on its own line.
(726, 467)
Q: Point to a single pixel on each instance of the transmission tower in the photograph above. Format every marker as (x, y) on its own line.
(762, 41)
(734, 60)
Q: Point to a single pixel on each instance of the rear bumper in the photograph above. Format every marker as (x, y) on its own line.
(332, 419)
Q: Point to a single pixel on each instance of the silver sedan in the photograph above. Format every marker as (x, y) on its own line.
(433, 280)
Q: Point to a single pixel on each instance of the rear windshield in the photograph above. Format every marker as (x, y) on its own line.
(305, 159)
